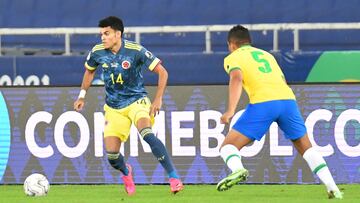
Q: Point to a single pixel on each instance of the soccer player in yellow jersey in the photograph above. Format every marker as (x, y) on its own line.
(271, 100)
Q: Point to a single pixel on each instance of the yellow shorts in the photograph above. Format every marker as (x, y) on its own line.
(118, 121)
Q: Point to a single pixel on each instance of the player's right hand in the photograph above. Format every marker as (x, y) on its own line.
(79, 104)
(225, 118)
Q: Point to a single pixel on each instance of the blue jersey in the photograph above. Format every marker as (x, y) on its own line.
(122, 72)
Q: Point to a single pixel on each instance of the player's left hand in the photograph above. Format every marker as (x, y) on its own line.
(225, 118)
(155, 107)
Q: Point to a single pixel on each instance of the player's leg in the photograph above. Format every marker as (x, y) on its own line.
(252, 125)
(117, 128)
(229, 151)
(160, 152)
(139, 113)
(115, 158)
(294, 128)
(318, 165)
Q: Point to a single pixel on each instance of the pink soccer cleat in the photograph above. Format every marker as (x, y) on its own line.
(129, 182)
(176, 185)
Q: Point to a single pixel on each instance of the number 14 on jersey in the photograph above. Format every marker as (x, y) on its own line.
(118, 78)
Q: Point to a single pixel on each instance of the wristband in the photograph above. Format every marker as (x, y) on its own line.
(82, 94)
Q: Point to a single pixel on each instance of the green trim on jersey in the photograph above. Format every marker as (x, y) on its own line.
(245, 45)
(233, 68)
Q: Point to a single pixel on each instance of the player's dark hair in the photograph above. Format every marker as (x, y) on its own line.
(112, 21)
(239, 35)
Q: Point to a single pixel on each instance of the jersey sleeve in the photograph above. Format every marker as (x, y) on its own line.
(230, 64)
(91, 63)
(148, 59)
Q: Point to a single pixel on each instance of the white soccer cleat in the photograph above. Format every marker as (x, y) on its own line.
(335, 194)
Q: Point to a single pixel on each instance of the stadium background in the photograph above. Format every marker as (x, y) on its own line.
(323, 54)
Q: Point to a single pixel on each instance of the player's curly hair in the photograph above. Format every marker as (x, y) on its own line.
(112, 21)
(239, 35)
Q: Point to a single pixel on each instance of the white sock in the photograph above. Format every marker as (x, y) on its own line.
(230, 154)
(319, 167)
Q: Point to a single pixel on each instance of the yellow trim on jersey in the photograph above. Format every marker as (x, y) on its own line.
(135, 47)
(154, 63)
(89, 67)
(98, 47)
(131, 45)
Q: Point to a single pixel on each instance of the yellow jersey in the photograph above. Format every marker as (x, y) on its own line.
(262, 77)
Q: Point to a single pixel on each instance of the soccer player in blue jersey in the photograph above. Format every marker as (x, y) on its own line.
(126, 101)
(271, 100)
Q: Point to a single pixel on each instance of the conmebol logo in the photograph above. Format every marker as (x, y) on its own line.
(4, 136)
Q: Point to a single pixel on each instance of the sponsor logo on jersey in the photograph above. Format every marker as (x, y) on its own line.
(114, 65)
(105, 65)
(125, 64)
(148, 54)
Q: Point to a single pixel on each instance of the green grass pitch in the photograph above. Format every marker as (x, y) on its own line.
(192, 193)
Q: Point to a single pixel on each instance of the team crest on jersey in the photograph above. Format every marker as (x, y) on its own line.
(125, 64)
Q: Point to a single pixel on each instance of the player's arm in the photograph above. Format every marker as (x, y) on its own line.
(86, 83)
(87, 79)
(90, 67)
(235, 89)
(163, 76)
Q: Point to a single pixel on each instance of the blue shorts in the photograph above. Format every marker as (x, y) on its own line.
(257, 118)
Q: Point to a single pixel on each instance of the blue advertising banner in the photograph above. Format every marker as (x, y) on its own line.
(48, 137)
(40, 70)
(184, 69)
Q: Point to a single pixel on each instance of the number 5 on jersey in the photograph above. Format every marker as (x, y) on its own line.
(257, 57)
(118, 78)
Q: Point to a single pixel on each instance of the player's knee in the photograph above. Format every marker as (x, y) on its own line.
(142, 119)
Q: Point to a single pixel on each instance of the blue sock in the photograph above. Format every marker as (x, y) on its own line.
(159, 151)
(117, 161)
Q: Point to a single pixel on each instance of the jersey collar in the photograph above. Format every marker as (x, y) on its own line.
(245, 45)
(120, 50)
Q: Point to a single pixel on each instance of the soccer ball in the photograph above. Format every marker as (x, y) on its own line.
(36, 185)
